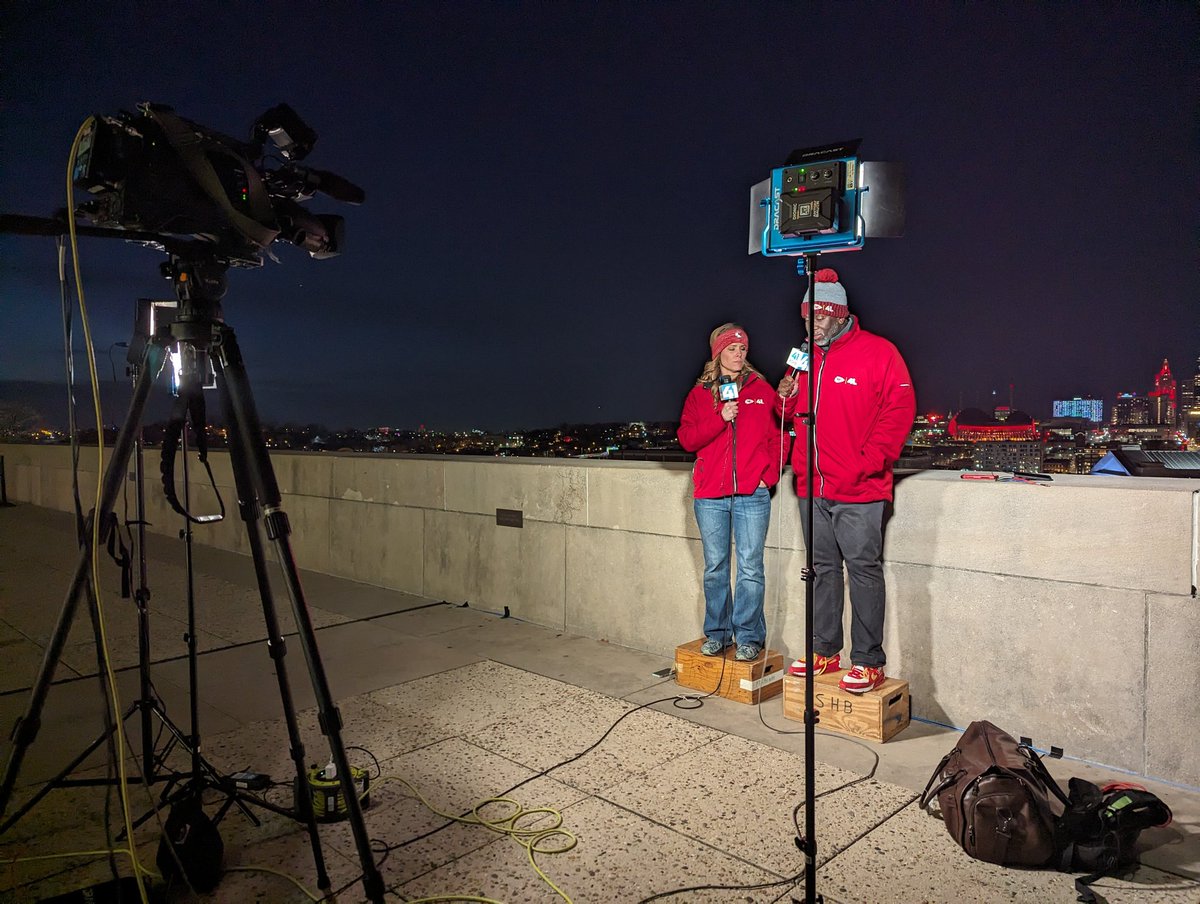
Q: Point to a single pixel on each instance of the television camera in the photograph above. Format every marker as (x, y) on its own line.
(159, 178)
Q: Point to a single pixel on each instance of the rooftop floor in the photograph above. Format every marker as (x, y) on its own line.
(461, 705)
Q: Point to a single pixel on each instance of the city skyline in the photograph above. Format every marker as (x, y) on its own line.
(46, 400)
(556, 208)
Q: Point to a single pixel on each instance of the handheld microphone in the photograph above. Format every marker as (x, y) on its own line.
(797, 360)
(727, 389)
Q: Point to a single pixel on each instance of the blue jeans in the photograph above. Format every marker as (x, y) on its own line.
(740, 613)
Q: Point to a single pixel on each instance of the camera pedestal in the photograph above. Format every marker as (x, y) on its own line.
(877, 715)
(743, 682)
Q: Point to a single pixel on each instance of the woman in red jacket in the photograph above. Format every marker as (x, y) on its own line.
(729, 421)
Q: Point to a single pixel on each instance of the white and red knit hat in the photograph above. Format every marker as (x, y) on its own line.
(831, 297)
(727, 338)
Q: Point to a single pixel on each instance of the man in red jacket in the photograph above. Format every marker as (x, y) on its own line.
(863, 410)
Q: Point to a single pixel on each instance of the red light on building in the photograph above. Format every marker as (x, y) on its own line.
(973, 426)
(1164, 383)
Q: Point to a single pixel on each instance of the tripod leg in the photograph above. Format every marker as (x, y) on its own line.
(250, 512)
(244, 417)
(27, 726)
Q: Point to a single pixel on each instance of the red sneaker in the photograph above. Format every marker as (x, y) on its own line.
(821, 665)
(862, 678)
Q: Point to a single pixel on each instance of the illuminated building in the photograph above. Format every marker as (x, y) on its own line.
(928, 429)
(1188, 394)
(1130, 408)
(1092, 409)
(973, 426)
(1005, 455)
(1189, 403)
(1162, 397)
(1068, 449)
(1014, 444)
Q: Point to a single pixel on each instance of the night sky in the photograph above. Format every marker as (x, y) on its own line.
(557, 194)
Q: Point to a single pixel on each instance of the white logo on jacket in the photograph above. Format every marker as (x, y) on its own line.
(851, 380)
(749, 401)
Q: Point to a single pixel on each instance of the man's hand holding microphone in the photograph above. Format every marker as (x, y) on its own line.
(797, 361)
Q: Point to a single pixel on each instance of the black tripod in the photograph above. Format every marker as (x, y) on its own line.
(200, 284)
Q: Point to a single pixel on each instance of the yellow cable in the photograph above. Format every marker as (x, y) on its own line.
(65, 854)
(528, 838)
(138, 869)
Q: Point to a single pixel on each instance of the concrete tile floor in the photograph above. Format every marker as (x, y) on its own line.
(464, 705)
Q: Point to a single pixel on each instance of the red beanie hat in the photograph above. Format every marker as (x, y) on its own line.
(831, 297)
(727, 338)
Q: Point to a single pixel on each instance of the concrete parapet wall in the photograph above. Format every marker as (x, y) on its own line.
(1065, 612)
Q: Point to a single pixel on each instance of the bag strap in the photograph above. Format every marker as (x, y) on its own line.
(187, 144)
(1084, 891)
(187, 405)
(946, 781)
(1039, 768)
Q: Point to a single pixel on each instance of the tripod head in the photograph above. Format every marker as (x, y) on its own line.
(200, 284)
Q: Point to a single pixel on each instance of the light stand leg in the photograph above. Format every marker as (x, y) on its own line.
(262, 477)
(141, 599)
(189, 569)
(27, 726)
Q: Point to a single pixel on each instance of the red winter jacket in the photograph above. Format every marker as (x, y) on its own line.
(865, 405)
(702, 430)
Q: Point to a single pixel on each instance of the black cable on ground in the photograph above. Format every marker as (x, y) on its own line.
(791, 879)
(388, 848)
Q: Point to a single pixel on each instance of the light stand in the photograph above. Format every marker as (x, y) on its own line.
(823, 199)
(811, 716)
(148, 706)
(200, 284)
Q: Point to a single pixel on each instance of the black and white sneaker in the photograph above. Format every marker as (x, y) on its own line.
(747, 652)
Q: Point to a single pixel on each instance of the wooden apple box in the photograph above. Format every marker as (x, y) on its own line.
(877, 715)
(744, 682)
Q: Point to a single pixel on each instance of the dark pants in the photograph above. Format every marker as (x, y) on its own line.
(849, 533)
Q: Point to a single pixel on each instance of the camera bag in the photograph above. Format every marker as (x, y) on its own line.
(1098, 832)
